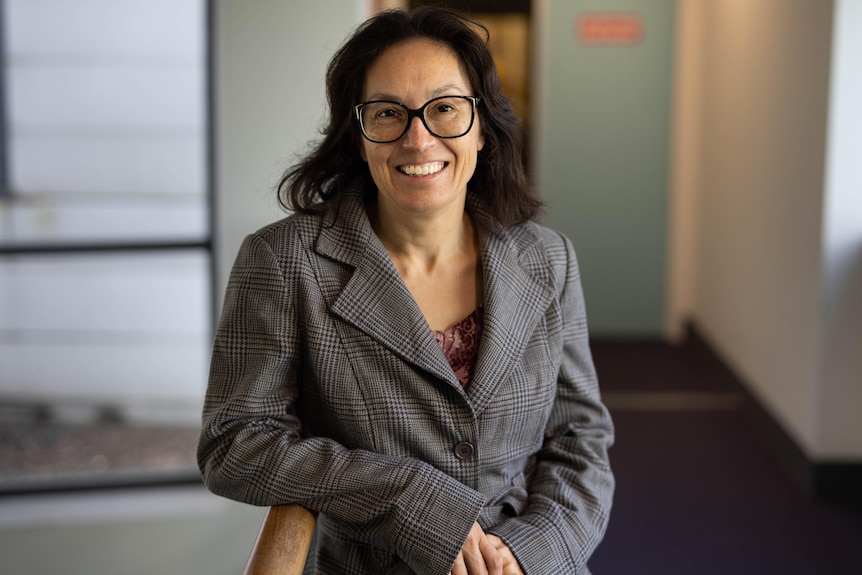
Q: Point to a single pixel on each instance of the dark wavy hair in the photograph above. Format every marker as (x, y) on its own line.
(335, 163)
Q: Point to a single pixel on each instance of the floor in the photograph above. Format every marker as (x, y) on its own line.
(697, 493)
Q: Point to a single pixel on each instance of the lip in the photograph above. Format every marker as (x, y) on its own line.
(422, 169)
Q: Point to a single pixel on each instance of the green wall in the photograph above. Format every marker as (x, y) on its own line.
(605, 154)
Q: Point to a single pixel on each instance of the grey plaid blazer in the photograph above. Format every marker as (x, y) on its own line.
(327, 388)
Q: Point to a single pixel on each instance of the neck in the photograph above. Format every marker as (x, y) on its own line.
(425, 240)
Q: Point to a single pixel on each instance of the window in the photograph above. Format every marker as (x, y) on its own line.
(105, 239)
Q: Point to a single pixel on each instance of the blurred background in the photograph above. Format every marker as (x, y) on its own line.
(702, 156)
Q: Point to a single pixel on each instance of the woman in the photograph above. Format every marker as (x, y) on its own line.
(407, 354)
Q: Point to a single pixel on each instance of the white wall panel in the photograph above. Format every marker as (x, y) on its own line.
(135, 219)
(109, 165)
(127, 330)
(113, 27)
(104, 100)
(128, 295)
(105, 372)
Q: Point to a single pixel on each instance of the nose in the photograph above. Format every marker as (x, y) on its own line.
(417, 136)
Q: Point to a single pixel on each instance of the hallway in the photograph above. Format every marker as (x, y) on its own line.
(696, 495)
(696, 492)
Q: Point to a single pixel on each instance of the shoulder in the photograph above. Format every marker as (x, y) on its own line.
(295, 231)
(538, 241)
(546, 252)
(549, 238)
(339, 233)
(528, 238)
(275, 252)
(290, 225)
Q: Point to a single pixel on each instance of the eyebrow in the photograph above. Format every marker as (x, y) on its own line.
(441, 91)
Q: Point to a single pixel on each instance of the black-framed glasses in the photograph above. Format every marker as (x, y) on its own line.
(382, 121)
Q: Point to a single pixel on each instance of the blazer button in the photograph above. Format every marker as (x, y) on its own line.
(464, 450)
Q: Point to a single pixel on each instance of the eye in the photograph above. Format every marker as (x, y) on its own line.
(385, 112)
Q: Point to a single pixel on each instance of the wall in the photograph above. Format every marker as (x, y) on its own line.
(840, 433)
(601, 156)
(756, 211)
(758, 283)
(271, 59)
(685, 173)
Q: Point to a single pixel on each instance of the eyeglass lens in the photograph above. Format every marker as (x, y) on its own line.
(446, 117)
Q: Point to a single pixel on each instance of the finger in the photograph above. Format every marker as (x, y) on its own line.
(491, 557)
(459, 568)
(510, 563)
(474, 560)
(470, 550)
(479, 555)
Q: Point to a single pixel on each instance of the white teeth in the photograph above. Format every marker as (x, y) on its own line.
(423, 169)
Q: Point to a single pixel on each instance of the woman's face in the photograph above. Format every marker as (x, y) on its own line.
(420, 173)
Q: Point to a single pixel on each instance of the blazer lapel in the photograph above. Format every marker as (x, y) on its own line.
(375, 299)
(516, 298)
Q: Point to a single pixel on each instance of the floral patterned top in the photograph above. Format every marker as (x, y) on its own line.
(460, 345)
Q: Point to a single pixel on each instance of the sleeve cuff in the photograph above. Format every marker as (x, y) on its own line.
(434, 525)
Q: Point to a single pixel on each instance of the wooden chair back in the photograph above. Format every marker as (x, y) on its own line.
(282, 544)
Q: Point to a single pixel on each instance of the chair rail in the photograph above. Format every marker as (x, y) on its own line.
(281, 547)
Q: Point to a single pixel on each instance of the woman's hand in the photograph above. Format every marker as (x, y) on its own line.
(510, 564)
(479, 556)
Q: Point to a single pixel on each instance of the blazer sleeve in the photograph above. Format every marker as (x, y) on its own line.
(252, 447)
(571, 489)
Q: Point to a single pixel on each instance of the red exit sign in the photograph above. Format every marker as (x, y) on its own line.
(609, 28)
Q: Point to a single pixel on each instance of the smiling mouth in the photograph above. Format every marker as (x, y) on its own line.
(422, 169)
